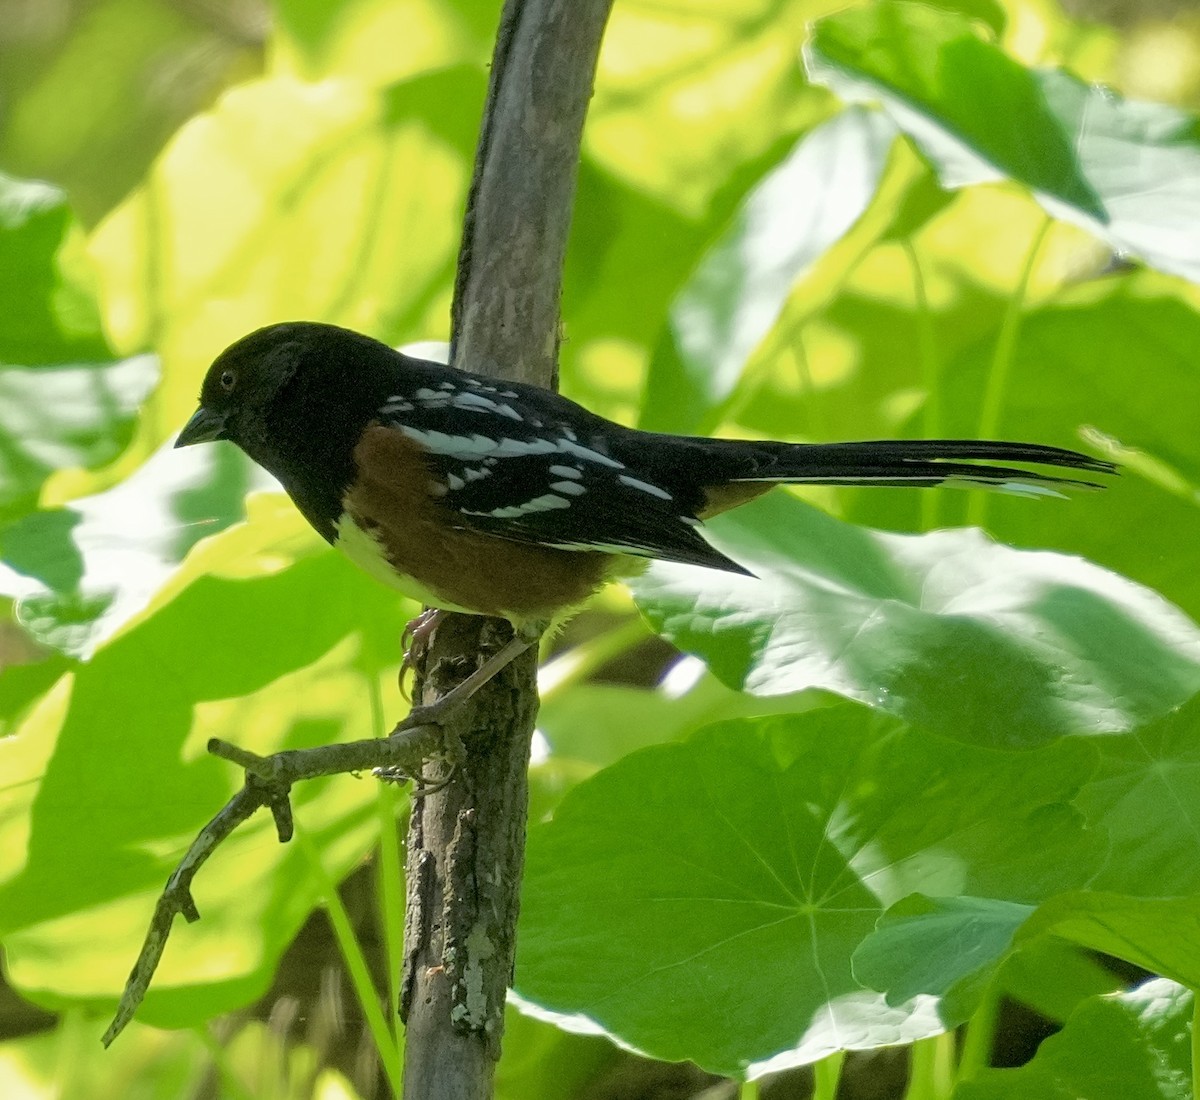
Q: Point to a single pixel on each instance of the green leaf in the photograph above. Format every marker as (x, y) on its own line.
(90, 98)
(1054, 977)
(1128, 172)
(597, 724)
(319, 39)
(1135, 1046)
(330, 201)
(1143, 905)
(22, 687)
(49, 314)
(1111, 359)
(54, 418)
(1143, 902)
(1156, 933)
(703, 900)
(84, 570)
(108, 779)
(989, 12)
(781, 230)
(952, 948)
(1147, 795)
(936, 74)
(946, 630)
(64, 402)
(545, 1063)
(614, 301)
(938, 945)
(680, 106)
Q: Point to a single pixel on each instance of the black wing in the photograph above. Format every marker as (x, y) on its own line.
(529, 465)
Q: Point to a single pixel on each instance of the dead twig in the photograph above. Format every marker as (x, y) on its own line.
(269, 781)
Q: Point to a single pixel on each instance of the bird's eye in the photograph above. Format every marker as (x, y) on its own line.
(228, 380)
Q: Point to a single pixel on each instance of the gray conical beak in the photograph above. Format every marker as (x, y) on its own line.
(204, 427)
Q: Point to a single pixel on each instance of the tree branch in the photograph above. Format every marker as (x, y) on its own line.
(268, 782)
(466, 843)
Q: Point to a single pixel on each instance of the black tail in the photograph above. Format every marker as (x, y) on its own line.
(923, 463)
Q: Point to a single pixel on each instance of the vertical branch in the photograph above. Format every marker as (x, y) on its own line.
(466, 842)
(505, 316)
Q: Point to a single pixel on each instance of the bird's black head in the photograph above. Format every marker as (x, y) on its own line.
(243, 381)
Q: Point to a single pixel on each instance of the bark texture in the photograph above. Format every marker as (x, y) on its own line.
(466, 842)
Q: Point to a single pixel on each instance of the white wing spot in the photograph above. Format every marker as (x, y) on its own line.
(473, 401)
(566, 471)
(477, 446)
(644, 487)
(571, 488)
(508, 448)
(476, 473)
(546, 503)
(454, 446)
(570, 447)
(454, 481)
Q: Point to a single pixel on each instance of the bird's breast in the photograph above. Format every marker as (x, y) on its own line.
(363, 545)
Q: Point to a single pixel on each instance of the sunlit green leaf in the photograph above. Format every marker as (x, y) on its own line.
(326, 201)
(947, 630)
(59, 417)
(1127, 171)
(49, 314)
(92, 91)
(64, 401)
(110, 781)
(734, 297)
(85, 569)
(317, 39)
(684, 95)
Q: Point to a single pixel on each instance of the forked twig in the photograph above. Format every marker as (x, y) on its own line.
(268, 783)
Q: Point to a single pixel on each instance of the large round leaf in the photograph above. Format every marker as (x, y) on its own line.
(947, 630)
(703, 900)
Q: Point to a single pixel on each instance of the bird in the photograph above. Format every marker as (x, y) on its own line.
(477, 495)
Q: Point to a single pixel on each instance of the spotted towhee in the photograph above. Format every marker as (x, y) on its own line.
(497, 498)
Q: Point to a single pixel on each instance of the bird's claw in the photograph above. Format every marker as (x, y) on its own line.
(415, 641)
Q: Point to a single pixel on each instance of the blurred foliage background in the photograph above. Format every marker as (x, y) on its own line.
(756, 250)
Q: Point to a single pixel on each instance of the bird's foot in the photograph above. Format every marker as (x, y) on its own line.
(440, 712)
(415, 641)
